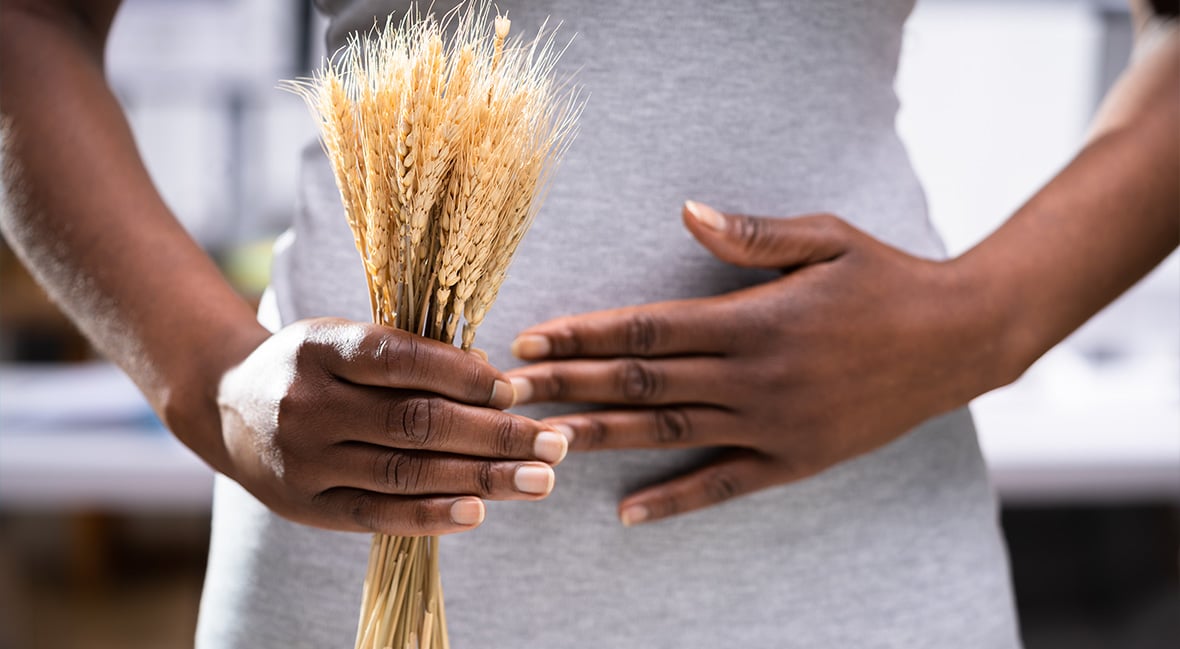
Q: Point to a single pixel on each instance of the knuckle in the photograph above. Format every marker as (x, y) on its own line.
(321, 499)
(672, 426)
(304, 397)
(505, 432)
(593, 434)
(395, 471)
(755, 319)
(641, 331)
(382, 354)
(361, 509)
(555, 385)
(776, 379)
(391, 417)
(419, 421)
(665, 507)
(749, 232)
(421, 517)
(830, 221)
(300, 477)
(319, 340)
(831, 226)
(639, 381)
(566, 342)
(484, 479)
(478, 383)
(721, 484)
(398, 354)
(420, 479)
(295, 432)
(309, 351)
(290, 408)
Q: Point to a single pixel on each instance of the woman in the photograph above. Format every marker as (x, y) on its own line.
(816, 367)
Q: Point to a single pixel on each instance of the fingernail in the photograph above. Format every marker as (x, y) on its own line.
(468, 511)
(706, 215)
(634, 515)
(503, 394)
(531, 346)
(533, 479)
(550, 447)
(523, 389)
(567, 430)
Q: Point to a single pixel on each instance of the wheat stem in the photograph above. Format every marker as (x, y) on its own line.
(442, 147)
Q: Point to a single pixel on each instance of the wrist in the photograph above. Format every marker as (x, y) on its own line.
(189, 401)
(998, 345)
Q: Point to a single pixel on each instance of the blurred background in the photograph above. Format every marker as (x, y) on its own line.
(104, 517)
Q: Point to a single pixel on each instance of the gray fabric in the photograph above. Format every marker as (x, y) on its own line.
(769, 107)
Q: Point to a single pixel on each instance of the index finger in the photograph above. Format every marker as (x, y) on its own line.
(696, 326)
(386, 357)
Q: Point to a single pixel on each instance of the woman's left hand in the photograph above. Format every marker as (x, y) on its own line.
(856, 343)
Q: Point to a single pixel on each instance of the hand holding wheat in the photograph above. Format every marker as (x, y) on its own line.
(352, 426)
(442, 147)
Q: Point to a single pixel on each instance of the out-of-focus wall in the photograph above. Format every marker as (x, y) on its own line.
(199, 81)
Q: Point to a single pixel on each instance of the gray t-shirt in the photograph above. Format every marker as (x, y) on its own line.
(766, 107)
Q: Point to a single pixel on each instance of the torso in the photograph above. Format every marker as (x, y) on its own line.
(768, 107)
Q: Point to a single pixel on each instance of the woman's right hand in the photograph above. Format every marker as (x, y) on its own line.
(352, 426)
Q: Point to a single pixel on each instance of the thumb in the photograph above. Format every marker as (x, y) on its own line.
(768, 242)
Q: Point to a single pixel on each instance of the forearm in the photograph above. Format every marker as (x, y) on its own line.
(83, 215)
(1106, 220)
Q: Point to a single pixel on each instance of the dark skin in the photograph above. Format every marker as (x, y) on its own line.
(858, 342)
(350, 426)
(337, 424)
(698, 372)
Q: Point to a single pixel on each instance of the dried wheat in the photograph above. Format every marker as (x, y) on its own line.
(443, 136)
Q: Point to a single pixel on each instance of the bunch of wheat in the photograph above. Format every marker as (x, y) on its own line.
(443, 136)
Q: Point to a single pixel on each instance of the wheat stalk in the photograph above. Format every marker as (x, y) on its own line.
(443, 137)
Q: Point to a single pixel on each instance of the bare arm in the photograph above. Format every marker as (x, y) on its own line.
(1107, 219)
(84, 216)
(331, 423)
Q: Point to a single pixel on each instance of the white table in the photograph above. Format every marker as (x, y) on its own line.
(102, 469)
(83, 438)
(1069, 433)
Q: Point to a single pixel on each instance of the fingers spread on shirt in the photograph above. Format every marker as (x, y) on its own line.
(666, 427)
(735, 473)
(629, 381)
(698, 326)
